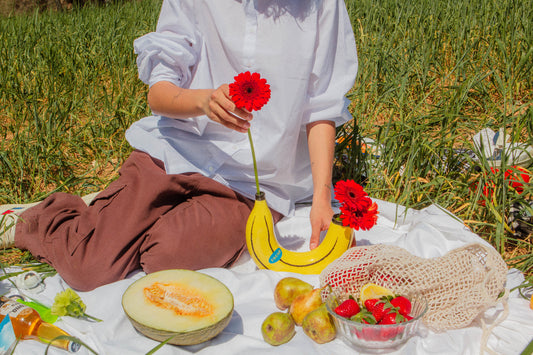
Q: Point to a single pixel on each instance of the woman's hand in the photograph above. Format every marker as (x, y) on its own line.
(220, 108)
(172, 101)
(320, 217)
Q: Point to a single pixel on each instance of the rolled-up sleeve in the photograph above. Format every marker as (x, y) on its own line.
(171, 52)
(334, 69)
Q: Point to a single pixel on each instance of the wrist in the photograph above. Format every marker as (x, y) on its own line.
(322, 192)
(201, 99)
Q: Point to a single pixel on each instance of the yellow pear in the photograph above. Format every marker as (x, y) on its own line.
(304, 304)
(278, 328)
(319, 326)
(287, 289)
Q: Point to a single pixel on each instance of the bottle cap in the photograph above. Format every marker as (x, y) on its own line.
(73, 346)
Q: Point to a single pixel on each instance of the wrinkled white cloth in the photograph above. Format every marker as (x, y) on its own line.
(430, 232)
(304, 49)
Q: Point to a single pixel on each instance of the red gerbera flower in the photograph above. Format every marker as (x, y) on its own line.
(349, 192)
(360, 218)
(249, 91)
(516, 177)
(358, 211)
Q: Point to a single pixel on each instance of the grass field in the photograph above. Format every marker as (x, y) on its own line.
(432, 74)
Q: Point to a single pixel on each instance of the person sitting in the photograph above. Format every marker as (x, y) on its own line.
(184, 194)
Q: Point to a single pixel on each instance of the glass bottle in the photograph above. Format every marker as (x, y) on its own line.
(27, 324)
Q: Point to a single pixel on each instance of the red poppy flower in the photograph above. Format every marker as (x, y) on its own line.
(249, 91)
(357, 209)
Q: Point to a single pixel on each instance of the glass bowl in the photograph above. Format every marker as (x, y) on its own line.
(378, 336)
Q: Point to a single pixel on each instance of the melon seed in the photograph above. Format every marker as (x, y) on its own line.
(178, 298)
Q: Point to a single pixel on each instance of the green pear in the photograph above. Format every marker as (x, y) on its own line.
(287, 289)
(278, 328)
(304, 304)
(318, 325)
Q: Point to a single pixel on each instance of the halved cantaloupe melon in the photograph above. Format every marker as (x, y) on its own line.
(186, 305)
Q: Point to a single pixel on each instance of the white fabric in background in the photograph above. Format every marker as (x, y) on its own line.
(430, 232)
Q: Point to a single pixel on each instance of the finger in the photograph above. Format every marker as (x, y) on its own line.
(244, 114)
(225, 102)
(230, 106)
(235, 121)
(226, 110)
(228, 120)
(315, 238)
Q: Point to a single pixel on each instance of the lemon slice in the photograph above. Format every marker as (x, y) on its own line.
(369, 291)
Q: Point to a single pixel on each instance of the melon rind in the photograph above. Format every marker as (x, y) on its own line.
(161, 324)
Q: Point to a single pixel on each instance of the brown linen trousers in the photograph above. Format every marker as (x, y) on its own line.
(145, 219)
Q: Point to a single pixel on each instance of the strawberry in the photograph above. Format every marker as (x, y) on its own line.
(389, 332)
(371, 303)
(371, 334)
(348, 308)
(378, 308)
(364, 316)
(402, 304)
(392, 318)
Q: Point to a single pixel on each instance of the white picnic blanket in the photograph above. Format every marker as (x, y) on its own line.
(430, 232)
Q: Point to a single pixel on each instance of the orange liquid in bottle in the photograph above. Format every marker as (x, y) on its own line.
(27, 324)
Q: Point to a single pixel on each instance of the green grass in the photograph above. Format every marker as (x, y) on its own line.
(68, 91)
(432, 74)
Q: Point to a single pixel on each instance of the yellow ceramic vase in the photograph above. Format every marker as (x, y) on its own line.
(267, 253)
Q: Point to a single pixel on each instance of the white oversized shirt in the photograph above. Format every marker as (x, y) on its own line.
(305, 49)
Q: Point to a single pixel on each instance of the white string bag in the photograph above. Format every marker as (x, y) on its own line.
(458, 285)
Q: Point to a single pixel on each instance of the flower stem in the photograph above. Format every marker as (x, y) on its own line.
(255, 162)
(92, 318)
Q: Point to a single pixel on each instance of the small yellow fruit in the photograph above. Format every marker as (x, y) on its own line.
(370, 291)
(531, 302)
(319, 325)
(304, 304)
(278, 328)
(287, 289)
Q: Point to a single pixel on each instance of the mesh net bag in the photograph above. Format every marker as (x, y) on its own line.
(458, 285)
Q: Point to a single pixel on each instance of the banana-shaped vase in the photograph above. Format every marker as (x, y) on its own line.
(267, 253)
